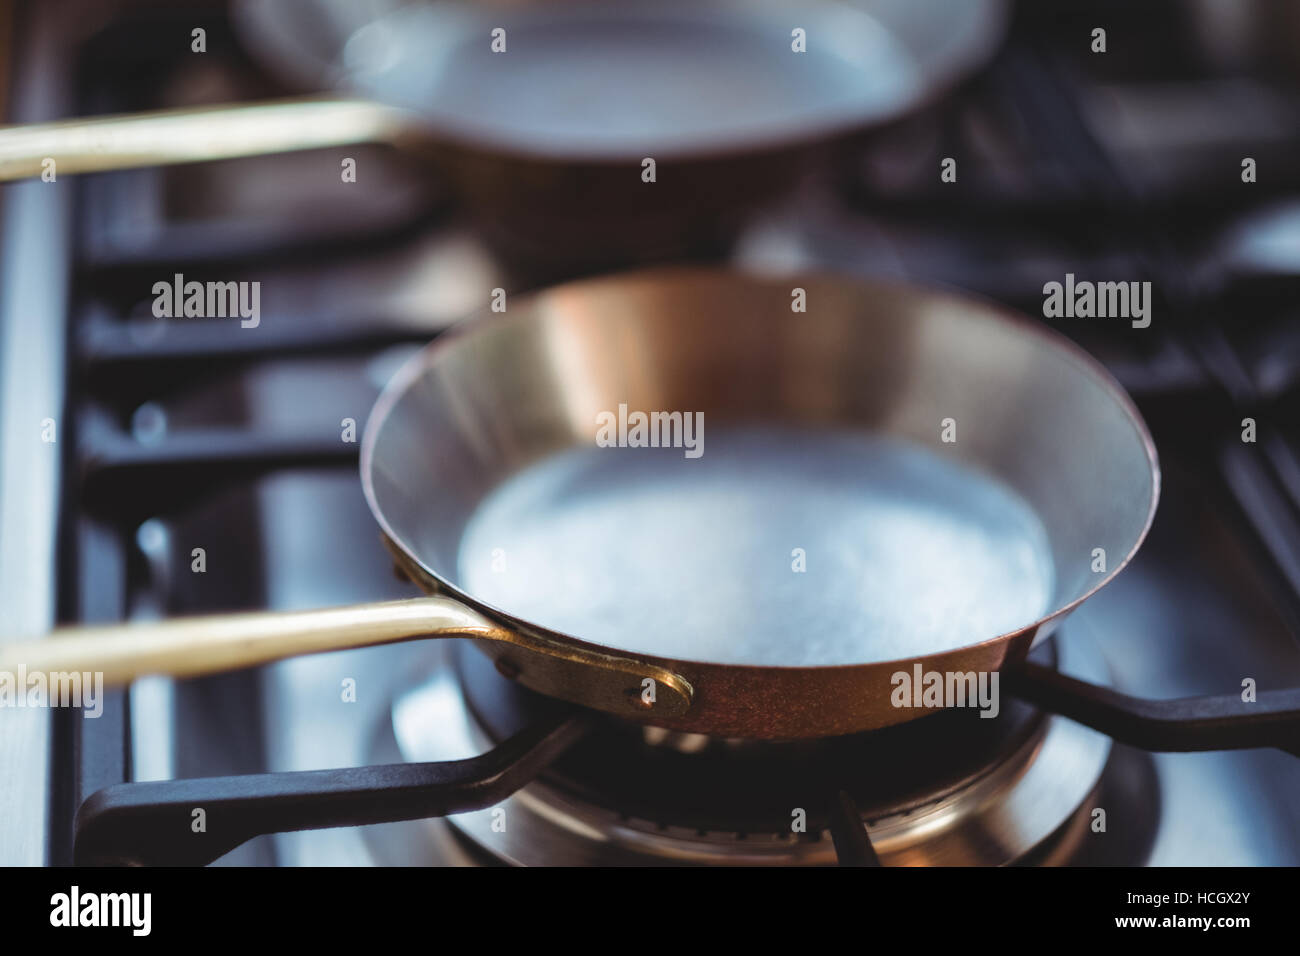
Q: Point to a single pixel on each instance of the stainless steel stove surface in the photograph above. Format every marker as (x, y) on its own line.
(183, 436)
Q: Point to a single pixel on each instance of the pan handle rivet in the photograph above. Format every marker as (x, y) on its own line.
(637, 696)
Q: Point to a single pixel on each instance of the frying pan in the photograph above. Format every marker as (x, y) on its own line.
(828, 536)
(545, 142)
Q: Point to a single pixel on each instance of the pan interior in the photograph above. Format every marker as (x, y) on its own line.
(640, 78)
(904, 551)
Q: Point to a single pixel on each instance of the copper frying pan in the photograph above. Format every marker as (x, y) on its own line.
(546, 140)
(827, 537)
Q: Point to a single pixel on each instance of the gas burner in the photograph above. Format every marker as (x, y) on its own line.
(949, 789)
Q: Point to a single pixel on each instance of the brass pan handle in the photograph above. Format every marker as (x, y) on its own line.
(169, 137)
(190, 647)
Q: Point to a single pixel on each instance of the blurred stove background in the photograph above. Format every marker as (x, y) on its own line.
(177, 436)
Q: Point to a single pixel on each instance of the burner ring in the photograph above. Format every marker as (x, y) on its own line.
(1031, 803)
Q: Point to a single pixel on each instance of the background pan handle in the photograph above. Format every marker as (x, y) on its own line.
(168, 137)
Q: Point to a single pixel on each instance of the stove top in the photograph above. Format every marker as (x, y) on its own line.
(183, 436)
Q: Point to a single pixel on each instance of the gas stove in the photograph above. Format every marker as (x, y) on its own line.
(177, 437)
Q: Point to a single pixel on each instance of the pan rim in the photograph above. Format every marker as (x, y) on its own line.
(484, 320)
(935, 78)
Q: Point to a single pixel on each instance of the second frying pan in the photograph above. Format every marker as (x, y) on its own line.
(895, 477)
(544, 129)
